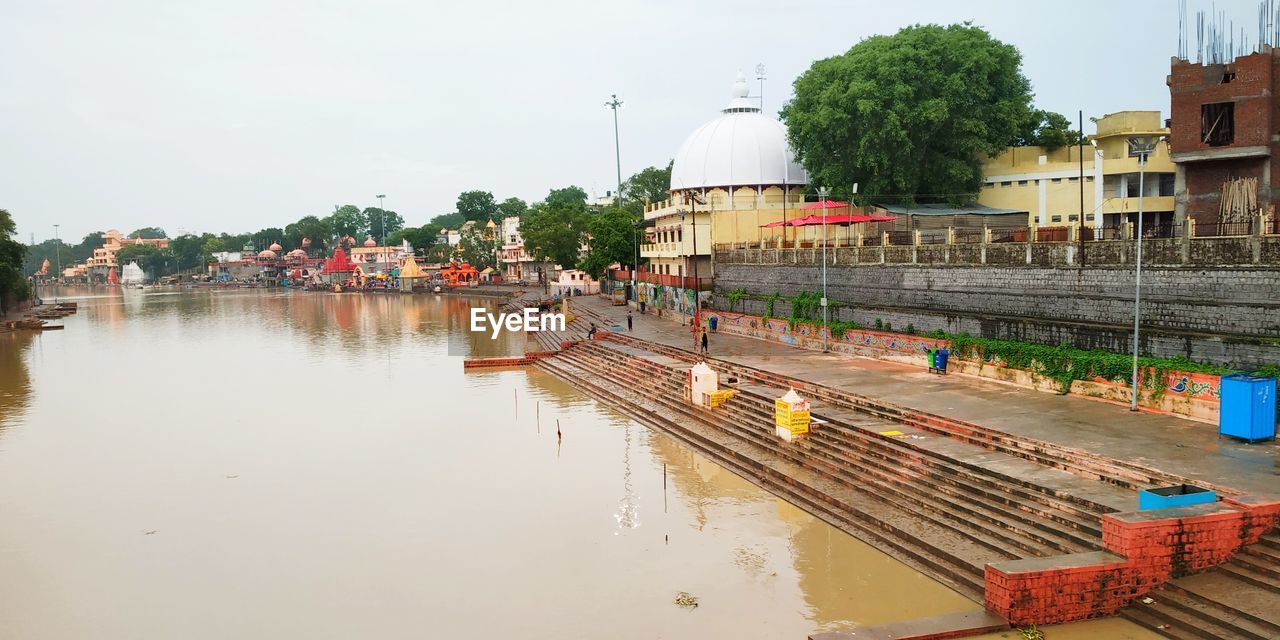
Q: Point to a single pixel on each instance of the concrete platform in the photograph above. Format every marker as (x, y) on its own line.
(956, 625)
(1184, 447)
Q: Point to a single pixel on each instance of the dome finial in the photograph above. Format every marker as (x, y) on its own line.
(740, 102)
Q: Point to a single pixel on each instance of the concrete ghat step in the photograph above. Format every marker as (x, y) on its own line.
(890, 509)
(918, 556)
(892, 456)
(955, 625)
(1206, 596)
(1036, 536)
(1084, 463)
(1259, 570)
(998, 539)
(1170, 623)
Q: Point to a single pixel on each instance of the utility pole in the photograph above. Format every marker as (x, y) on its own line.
(823, 192)
(1140, 146)
(1080, 229)
(382, 208)
(615, 104)
(57, 250)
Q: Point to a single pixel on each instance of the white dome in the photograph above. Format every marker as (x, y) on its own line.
(742, 147)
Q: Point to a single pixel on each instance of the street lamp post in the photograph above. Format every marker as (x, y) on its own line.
(1140, 147)
(697, 308)
(57, 248)
(383, 209)
(823, 192)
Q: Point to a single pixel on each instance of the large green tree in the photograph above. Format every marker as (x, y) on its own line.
(151, 258)
(13, 283)
(349, 220)
(376, 216)
(421, 238)
(448, 220)
(149, 233)
(911, 114)
(1049, 130)
(477, 205)
(512, 207)
(554, 229)
(318, 231)
(652, 184)
(613, 240)
(477, 249)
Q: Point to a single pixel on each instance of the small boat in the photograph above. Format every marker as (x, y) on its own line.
(438, 289)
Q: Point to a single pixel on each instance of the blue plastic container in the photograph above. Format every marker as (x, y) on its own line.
(940, 359)
(1248, 407)
(714, 322)
(1178, 495)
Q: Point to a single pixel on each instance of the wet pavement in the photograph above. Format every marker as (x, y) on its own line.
(1185, 447)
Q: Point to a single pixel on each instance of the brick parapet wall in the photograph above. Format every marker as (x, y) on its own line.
(1143, 550)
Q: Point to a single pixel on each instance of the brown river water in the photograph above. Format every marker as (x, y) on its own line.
(275, 464)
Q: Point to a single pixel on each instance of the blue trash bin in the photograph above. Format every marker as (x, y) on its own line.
(714, 322)
(940, 359)
(1248, 407)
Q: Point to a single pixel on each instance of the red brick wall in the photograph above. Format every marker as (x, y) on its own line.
(1144, 550)
(1192, 85)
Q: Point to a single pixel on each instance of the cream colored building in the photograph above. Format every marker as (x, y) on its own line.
(1047, 183)
(731, 176)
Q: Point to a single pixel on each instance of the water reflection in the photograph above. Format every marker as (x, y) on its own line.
(15, 380)
(315, 463)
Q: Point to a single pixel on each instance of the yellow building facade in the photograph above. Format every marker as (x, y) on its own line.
(1048, 183)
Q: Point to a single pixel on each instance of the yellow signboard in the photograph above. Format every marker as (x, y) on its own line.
(791, 416)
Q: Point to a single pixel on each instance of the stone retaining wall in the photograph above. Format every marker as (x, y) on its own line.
(1192, 395)
(1224, 316)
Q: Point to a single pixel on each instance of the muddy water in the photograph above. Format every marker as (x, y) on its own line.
(248, 464)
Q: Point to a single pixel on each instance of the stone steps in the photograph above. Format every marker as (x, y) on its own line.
(992, 547)
(785, 481)
(1033, 507)
(984, 524)
(1082, 463)
(883, 466)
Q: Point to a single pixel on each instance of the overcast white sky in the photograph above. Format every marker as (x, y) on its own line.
(233, 115)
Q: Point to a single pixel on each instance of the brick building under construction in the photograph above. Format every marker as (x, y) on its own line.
(1224, 137)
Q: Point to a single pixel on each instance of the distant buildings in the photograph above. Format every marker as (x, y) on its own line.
(1046, 184)
(516, 263)
(104, 258)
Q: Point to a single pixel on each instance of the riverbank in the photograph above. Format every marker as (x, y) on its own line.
(983, 476)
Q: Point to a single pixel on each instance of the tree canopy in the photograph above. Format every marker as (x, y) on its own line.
(13, 284)
(477, 205)
(448, 220)
(554, 228)
(909, 114)
(149, 233)
(651, 184)
(613, 240)
(479, 251)
(512, 207)
(375, 217)
(349, 220)
(1049, 130)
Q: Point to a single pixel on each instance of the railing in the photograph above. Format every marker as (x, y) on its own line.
(1053, 234)
(967, 235)
(1219, 229)
(933, 236)
(900, 238)
(1009, 234)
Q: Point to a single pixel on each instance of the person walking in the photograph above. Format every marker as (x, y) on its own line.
(629, 320)
(704, 341)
